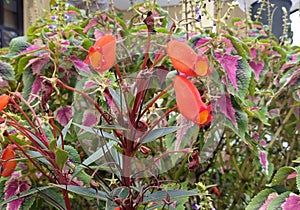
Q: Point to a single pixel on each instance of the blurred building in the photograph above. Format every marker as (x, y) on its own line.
(17, 15)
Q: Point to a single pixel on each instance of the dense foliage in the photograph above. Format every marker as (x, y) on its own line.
(107, 113)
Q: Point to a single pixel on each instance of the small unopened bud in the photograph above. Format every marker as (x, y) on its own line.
(145, 150)
(2, 120)
(47, 90)
(94, 184)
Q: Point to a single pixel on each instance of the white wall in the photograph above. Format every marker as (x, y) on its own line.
(295, 17)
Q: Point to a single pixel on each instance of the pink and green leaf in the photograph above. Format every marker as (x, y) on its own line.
(225, 105)
(63, 115)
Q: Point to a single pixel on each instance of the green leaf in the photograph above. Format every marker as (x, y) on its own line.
(243, 78)
(27, 203)
(18, 44)
(53, 198)
(259, 199)
(252, 85)
(83, 191)
(261, 115)
(94, 157)
(297, 160)
(241, 119)
(52, 144)
(238, 45)
(159, 132)
(37, 140)
(73, 154)
(6, 71)
(98, 132)
(28, 79)
(120, 192)
(281, 175)
(25, 194)
(38, 156)
(22, 63)
(61, 157)
(278, 201)
(64, 133)
(298, 177)
(120, 101)
(174, 194)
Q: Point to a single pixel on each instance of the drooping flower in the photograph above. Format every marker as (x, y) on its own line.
(186, 61)
(4, 99)
(189, 101)
(7, 164)
(102, 55)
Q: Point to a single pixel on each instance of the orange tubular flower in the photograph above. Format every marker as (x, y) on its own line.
(103, 54)
(7, 165)
(189, 101)
(186, 61)
(4, 99)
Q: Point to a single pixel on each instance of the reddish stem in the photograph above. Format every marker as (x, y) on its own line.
(147, 51)
(29, 120)
(92, 101)
(28, 157)
(155, 98)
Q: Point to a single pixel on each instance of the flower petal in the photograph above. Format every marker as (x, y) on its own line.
(182, 56)
(102, 55)
(201, 66)
(4, 99)
(109, 55)
(187, 98)
(204, 115)
(7, 165)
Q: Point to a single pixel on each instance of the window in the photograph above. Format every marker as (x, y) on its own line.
(11, 20)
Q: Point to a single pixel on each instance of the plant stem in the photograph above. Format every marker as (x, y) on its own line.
(287, 117)
(66, 199)
(28, 157)
(156, 98)
(147, 51)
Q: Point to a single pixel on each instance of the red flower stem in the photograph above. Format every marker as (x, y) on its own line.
(147, 51)
(31, 109)
(28, 157)
(91, 100)
(141, 88)
(25, 131)
(86, 96)
(51, 122)
(54, 127)
(137, 144)
(186, 150)
(66, 199)
(155, 99)
(50, 156)
(155, 62)
(119, 73)
(37, 131)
